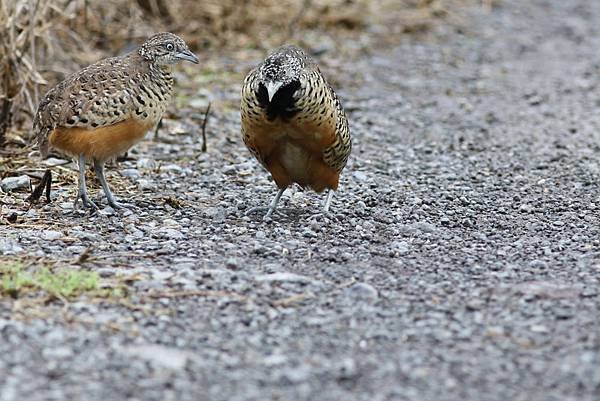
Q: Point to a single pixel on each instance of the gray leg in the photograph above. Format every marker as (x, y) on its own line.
(99, 168)
(274, 203)
(271, 207)
(328, 200)
(81, 190)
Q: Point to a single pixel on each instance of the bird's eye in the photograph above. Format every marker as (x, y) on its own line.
(170, 46)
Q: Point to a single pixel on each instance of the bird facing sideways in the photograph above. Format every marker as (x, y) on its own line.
(294, 124)
(107, 107)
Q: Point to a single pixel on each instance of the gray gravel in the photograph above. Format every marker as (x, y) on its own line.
(461, 261)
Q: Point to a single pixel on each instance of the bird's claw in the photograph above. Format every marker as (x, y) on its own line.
(86, 201)
(122, 206)
(117, 205)
(323, 215)
(257, 209)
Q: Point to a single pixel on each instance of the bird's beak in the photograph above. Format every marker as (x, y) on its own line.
(272, 88)
(187, 55)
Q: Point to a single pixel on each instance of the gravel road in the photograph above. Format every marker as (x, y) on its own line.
(461, 260)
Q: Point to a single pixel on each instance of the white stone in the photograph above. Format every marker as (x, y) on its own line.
(11, 183)
(9, 246)
(362, 291)
(283, 276)
(53, 161)
(170, 358)
(171, 233)
(51, 235)
(146, 164)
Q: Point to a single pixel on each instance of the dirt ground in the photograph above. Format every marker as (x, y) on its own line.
(461, 260)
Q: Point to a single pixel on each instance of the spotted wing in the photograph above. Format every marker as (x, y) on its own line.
(94, 97)
(336, 155)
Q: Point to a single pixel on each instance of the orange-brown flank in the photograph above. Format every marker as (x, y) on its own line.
(100, 143)
(304, 167)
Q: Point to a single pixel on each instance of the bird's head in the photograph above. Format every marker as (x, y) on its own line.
(282, 71)
(166, 49)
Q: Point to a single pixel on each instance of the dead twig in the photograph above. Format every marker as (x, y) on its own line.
(5, 118)
(285, 302)
(85, 255)
(196, 293)
(45, 183)
(158, 126)
(204, 122)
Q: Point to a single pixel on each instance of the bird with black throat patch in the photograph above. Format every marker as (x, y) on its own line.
(104, 109)
(294, 124)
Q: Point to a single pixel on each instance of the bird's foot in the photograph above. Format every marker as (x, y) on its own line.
(320, 216)
(272, 207)
(118, 206)
(86, 201)
(260, 209)
(256, 210)
(122, 207)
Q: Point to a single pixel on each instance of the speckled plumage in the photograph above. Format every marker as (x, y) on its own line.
(293, 121)
(107, 107)
(112, 90)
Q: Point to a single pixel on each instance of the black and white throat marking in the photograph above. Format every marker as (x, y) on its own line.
(279, 80)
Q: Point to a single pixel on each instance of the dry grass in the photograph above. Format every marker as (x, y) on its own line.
(21, 27)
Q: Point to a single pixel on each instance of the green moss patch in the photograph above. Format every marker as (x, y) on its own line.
(17, 281)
